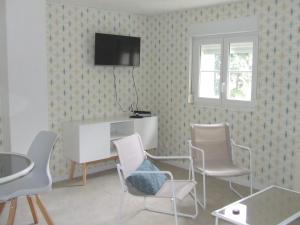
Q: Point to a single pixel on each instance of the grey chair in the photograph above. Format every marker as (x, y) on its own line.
(211, 150)
(36, 182)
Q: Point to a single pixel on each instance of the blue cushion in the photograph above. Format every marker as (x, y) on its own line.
(147, 183)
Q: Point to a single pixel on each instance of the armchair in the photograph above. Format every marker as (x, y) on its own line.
(211, 150)
(131, 155)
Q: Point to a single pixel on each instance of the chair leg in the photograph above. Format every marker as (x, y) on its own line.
(2, 205)
(204, 190)
(196, 203)
(175, 211)
(120, 209)
(203, 203)
(179, 214)
(44, 211)
(234, 190)
(12, 212)
(251, 183)
(216, 221)
(33, 210)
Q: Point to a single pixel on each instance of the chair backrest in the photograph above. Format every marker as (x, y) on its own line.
(214, 140)
(40, 152)
(131, 153)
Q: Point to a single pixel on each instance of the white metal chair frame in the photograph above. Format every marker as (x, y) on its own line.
(175, 212)
(202, 171)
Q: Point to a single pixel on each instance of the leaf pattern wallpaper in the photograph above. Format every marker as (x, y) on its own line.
(272, 129)
(1, 131)
(78, 90)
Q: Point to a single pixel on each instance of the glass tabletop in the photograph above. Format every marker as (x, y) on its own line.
(13, 165)
(271, 206)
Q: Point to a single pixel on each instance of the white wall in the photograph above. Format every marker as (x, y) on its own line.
(4, 124)
(27, 71)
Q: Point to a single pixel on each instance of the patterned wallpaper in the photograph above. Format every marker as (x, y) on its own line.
(78, 90)
(272, 129)
(1, 129)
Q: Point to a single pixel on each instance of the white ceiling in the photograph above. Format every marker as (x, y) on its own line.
(148, 7)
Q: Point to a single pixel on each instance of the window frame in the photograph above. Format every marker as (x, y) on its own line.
(196, 69)
(224, 40)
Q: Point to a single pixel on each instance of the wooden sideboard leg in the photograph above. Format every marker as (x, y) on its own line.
(72, 170)
(84, 173)
(2, 205)
(12, 212)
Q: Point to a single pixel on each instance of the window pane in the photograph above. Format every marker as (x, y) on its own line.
(209, 85)
(209, 74)
(239, 86)
(240, 71)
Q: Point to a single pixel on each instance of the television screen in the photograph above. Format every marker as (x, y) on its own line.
(117, 50)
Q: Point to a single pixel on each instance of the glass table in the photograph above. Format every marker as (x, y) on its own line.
(13, 166)
(271, 206)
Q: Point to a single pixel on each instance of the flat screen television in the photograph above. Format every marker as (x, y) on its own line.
(117, 50)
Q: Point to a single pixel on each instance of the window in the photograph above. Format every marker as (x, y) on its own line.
(210, 69)
(240, 71)
(224, 68)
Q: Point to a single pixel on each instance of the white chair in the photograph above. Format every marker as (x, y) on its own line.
(211, 150)
(36, 182)
(131, 155)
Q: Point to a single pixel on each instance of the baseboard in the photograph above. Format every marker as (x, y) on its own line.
(92, 170)
(239, 182)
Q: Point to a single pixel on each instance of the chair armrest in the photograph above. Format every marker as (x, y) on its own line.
(191, 168)
(240, 146)
(192, 147)
(152, 172)
(157, 172)
(198, 149)
(167, 157)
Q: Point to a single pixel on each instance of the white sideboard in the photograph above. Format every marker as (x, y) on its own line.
(86, 142)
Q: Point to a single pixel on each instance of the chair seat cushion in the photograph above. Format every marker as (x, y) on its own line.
(34, 183)
(146, 182)
(225, 170)
(181, 187)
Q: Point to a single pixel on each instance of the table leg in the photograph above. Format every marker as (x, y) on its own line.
(2, 205)
(84, 173)
(217, 221)
(72, 170)
(12, 212)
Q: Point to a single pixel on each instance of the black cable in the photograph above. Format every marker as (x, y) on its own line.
(116, 92)
(136, 92)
